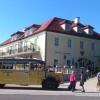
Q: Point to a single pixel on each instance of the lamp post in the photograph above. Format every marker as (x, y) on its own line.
(82, 61)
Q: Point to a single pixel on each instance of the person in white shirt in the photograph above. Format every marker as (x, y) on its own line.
(98, 83)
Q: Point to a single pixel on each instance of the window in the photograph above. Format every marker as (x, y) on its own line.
(68, 27)
(69, 43)
(90, 31)
(25, 46)
(56, 41)
(35, 41)
(16, 47)
(93, 46)
(27, 33)
(73, 61)
(7, 49)
(14, 37)
(80, 29)
(55, 62)
(68, 63)
(81, 45)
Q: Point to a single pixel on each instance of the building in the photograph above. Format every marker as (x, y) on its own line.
(57, 42)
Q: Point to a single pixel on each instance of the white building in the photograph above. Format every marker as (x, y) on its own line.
(57, 42)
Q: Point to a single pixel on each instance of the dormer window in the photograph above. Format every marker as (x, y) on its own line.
(77, 26)
(88, 30)
(29, 30)
(78, 29)
(66, 26)
(14, 37)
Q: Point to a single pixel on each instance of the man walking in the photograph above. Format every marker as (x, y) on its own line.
(82, 80)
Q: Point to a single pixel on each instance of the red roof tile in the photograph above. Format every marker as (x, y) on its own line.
(6, 42)
(20, 35)
(34, 25)
(88, 27)
(44, 26)
(77, 24)
(17, 33)
(96, 34)
(53, 25)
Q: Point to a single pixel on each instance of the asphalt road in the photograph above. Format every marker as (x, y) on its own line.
(47, 97)
(32, 91)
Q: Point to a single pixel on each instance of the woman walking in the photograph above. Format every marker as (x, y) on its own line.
(72, 81)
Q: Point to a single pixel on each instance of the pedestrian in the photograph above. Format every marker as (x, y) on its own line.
(72, 81)
(98, 82)
(82, 80)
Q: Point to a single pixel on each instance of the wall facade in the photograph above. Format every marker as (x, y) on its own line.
(64, 54)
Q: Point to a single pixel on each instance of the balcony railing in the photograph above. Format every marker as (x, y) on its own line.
(21, 50)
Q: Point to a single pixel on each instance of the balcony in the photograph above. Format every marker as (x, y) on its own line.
(20, 51)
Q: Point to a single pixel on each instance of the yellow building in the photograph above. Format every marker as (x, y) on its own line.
(57, 41)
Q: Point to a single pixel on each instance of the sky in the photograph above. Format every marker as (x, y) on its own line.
(17, 14)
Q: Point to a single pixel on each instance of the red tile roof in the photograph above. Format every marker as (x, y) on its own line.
(19, 34)
(33, 26)
(44, 26)
(77, 24)
(88, 27)
(96, 35)
(55, 26)
(6, 42)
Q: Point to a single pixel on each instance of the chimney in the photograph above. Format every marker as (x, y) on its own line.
(77, 20)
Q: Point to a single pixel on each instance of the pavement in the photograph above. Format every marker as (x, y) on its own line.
(90, 88)
(90, 85)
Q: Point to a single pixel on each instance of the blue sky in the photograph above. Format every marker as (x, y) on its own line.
(17, 14)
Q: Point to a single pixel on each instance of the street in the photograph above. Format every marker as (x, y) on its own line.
(46, 97)
(14, 90)
(35, 92)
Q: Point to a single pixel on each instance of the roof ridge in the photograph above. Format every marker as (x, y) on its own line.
(45, 25)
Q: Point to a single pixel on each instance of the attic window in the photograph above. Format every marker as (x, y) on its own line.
(66, 26)
(78, 29)
(88, 30)
(14, 37)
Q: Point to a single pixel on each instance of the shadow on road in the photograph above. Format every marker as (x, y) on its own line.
(40, 88)
(23, 88)
(35, 88)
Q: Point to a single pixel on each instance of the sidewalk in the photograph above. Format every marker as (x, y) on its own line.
(90, 86)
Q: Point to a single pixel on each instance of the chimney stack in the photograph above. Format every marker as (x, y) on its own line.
(77, 20)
